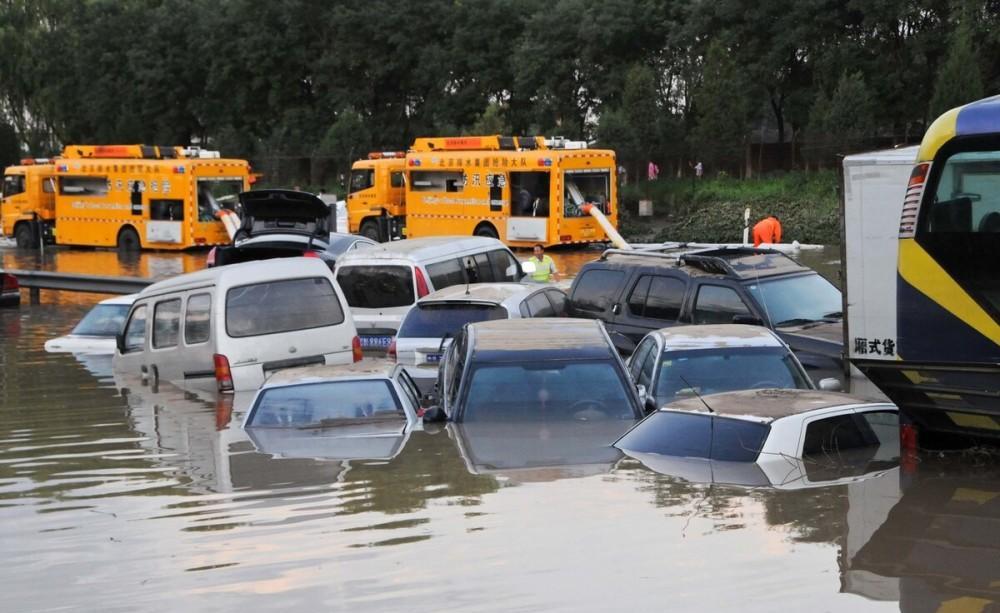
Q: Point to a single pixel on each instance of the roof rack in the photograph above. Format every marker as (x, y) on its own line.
(655, 251)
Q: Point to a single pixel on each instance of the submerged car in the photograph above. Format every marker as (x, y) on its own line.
(555, 369)
(775, 429)
(368, 398)
(438, 317)
(10, 290)
(96, 332)
(682, 361)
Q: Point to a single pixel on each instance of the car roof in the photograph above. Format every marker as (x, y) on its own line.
(768, 404)
(427, 247)
(257, 270)
(365, 369)
(549, 338)
(717, 336)
(126, 300)
(729, 262)
(497, 293)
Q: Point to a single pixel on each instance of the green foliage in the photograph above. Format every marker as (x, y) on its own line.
(723, 104)
(959, 81)
(10, 148)
(841, 123)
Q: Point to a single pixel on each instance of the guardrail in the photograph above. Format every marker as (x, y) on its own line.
(37, 280)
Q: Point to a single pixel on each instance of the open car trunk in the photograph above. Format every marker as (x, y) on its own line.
(283, 211)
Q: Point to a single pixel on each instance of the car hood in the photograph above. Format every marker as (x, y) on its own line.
(284, 211)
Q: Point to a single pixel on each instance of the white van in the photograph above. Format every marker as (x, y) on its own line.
(381, 283)
(229, 327)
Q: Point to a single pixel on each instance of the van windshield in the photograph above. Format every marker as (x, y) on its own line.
(377, 287)
(282, 306)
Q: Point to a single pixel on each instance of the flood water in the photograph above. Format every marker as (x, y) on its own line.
(116, 497)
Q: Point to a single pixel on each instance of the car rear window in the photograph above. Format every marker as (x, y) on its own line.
(696, 435)
(590, 390)
(377, 287)
(328, 403)
(282, 306)
(438, 320)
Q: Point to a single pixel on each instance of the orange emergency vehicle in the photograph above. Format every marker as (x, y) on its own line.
(124, 196)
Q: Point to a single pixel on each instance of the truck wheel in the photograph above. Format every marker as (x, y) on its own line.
(487, 231)
(369, 229)
(128, 240)
(24, 237)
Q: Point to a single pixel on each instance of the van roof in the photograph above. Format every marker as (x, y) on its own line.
(519, 340)
(233, 274)
(423, 248)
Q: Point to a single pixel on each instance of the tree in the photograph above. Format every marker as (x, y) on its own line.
(722, 106)
(843, 122)
(960, 80)
(346, 140)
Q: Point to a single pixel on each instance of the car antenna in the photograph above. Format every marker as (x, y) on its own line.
(697, 395)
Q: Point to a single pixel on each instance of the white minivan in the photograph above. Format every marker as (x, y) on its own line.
(381, 283)
(230, 327)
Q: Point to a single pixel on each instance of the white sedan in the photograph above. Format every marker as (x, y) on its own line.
(96, 332)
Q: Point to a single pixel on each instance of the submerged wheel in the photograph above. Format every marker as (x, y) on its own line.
(24, 237)
(487, 231)
(369, 229)
(128, 240)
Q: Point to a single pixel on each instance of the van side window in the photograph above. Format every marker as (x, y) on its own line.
(505, 267)
(447, 273)
(718, 305)
(135, 330)
(596, 289)
(362, 179)
(196, 319)
(166, 323)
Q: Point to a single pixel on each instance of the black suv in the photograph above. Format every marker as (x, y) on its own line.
(634, 292)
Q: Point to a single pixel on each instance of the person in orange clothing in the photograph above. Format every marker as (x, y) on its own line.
(767, 230)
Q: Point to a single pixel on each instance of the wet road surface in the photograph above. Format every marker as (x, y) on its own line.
(116, 497)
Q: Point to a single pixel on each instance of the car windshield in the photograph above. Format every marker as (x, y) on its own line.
(588, 390)
(686, 373)
(328, 403)
(103, 320)
(440, 320)
(377, 287)
(799, 299)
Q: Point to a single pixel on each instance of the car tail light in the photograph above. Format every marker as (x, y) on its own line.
(391, 351)
(422, 289)
(8, 283)
(223, 375)
(356, 349)
(210, 258)
(310, 254)
(911, 202)
(907, 448)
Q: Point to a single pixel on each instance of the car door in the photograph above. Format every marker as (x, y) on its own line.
(653, 301)
(131, 359)
(594, 295)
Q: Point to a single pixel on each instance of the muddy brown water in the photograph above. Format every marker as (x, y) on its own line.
(115, 497)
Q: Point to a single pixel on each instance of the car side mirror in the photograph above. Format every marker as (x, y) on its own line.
(120, 342)
(748, 320)
(528, 267)
(434, 414)
(643, 394)
(830, 384)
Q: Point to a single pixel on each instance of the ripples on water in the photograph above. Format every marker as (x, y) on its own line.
(120, 501)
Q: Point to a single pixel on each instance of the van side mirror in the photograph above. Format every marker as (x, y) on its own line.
(748, 320)
(830, 384)
(120, 342)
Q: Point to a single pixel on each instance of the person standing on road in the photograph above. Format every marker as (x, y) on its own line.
(545, 268)
(699, 170)
(767, 230)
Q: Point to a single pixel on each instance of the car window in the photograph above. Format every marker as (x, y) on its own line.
(377, 287)
(483, 272)
(666, 294)
(639, 357)
(737, 440)
(637, 297)
(832, 435)
(595, 290)
(718, 305)
(396, 179)
(326, 403)
(103, 320)
(555, 390)
(437, 320)
(135, 331)
(523, 309)
(456, 367)
(671, 433)
(539, 305)
(265, 308)
(362, 179)
(13, 185)
(711, 371)
(558, 300)
(447, 273)
(166, 323)
(196, 319)
(505, 267)
(409, 387)
(646, 370)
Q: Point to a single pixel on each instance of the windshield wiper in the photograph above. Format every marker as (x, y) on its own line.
(795, 321)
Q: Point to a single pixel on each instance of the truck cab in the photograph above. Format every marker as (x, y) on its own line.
(28, 207)
(376, 206)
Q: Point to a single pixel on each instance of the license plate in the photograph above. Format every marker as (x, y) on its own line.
(432, 358)
(375, 342)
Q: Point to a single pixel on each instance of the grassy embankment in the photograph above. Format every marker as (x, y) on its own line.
(711, 210)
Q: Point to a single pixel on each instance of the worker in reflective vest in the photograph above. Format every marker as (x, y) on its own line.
(545, 268)
(767, 230)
